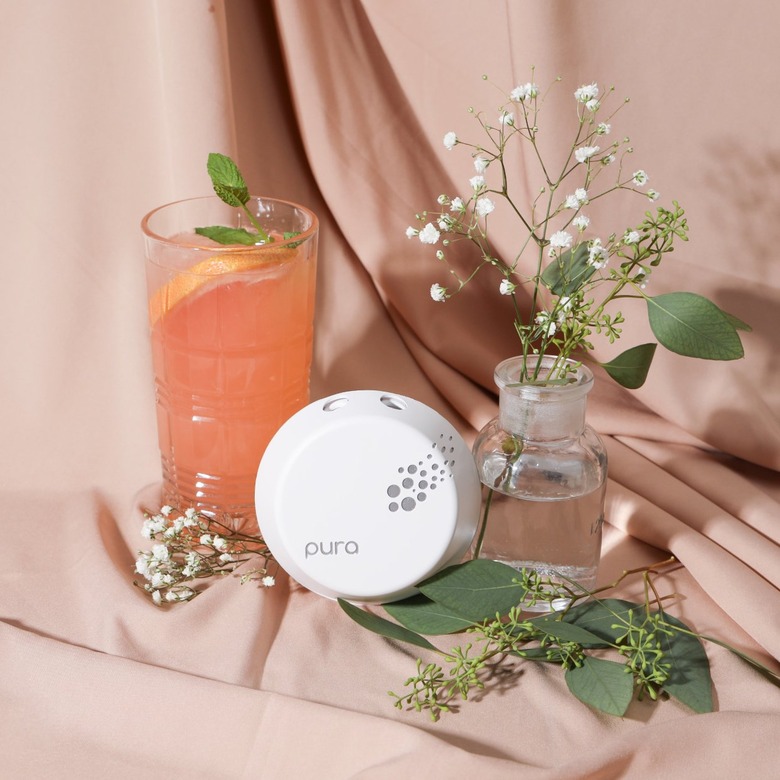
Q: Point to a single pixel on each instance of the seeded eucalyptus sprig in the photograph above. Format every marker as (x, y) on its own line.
(658, 655)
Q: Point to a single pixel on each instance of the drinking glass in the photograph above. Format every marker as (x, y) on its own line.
(231, 331)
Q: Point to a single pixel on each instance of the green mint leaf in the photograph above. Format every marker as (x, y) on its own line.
(228, 235)
(383, 627)
(602, 684)
(476, 590)
(227, 180)
(691, 325)
(421, 614)
(630, 367)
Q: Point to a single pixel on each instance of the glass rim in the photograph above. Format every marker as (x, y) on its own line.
(580, 386)
(229, 248)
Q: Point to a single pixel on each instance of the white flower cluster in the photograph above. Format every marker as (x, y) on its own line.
(556, 226)
(191, 545)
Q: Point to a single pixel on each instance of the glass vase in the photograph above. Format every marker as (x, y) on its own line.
(544, 475)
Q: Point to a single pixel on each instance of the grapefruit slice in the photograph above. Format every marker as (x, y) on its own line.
(188, 282)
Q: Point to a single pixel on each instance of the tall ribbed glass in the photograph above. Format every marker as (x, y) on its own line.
(231, 330)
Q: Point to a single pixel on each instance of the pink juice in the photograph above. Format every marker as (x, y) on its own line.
(231, 344)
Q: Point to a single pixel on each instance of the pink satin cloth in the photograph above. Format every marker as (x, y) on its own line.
(342, 105)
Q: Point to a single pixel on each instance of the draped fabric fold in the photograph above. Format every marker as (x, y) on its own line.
(111, 110)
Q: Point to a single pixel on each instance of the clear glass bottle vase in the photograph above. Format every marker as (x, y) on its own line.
(544, 473)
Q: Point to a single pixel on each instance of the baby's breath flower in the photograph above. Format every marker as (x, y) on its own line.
(142, 565)
(506, 118)
(226, 558)
(480, 164)
(443, 225)
(205, 539)
(411, 232)
(523, 92)
(547, 324)
(608, 159)
(484, 206)
(166, 510)
(653, 195)
(450, 139)
(218, 543)
(584, 153)
(442, 200)
(506, 287)
(438, 293)
(268, 581)
(580, 198)
(640, 178)
(477, 182)
(598, 255)
(593, 105)
(157, 597)
(457, 205)
(160, 552)
(581, 222)
(429, 234)
(560, 240)
(631, 237)
(587, 92)
(603, 128)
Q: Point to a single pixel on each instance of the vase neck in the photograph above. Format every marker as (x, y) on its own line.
(542, 412)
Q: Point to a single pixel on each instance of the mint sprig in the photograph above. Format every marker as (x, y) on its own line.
(230, 187)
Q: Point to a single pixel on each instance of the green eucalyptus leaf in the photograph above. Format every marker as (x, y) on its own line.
(605, 618)
(689, 678)
(691, 325)
(630, 368)
(228, 235)
(420, 614)
(564, 631)
(383, 627)
(568, 272)
(227, 180)
(737, 322)
(604, 685)
(475, 590)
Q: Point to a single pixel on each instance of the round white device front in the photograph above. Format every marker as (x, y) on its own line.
(364, 494)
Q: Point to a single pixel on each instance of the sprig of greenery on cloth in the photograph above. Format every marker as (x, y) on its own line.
(654, 653)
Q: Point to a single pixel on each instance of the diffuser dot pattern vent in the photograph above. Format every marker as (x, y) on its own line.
(417, 482)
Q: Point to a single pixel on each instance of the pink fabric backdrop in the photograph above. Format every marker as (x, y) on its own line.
(110, 110)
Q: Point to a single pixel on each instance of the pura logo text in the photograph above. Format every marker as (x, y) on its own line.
(331, 548)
